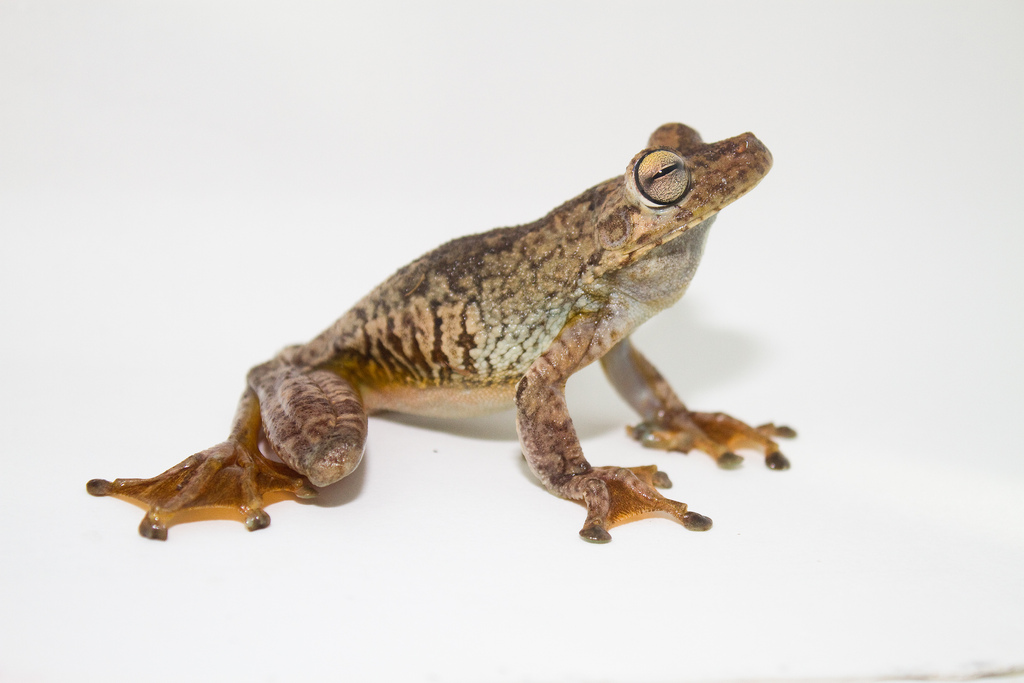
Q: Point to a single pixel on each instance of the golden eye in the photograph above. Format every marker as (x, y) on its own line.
(661, 177)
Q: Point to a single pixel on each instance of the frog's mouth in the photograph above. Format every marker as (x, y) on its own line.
(720, 173)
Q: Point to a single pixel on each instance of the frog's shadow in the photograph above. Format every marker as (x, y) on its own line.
(668, 341)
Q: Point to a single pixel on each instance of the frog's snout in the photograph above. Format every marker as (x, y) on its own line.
(747, 145)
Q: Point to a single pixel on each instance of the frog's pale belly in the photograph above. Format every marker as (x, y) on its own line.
(441, 401)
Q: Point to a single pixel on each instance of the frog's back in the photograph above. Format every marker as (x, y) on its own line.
(466, 318)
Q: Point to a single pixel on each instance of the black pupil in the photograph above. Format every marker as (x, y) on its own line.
(665, 171)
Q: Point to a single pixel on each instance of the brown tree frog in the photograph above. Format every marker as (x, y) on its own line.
(490, 321)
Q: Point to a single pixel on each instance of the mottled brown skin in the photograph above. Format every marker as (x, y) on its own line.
(493, 320)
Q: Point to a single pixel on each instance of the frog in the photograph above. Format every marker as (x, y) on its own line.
(491, 321)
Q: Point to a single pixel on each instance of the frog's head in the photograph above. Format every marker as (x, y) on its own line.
(674, 184)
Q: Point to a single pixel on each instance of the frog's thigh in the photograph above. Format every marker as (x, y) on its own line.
(314, 420)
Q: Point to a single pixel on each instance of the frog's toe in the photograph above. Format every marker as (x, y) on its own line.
(306, 491)
(152, 528)
(595, 533)
(660, 480)
(730, 461)
(651, 435)
(695, 521)
(776, 461)
(98, 487)
(256, 520)
(771, 430)
(652, 476)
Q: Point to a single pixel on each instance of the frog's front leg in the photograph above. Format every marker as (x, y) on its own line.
(669, 425)
(612, 495)
(312, 418)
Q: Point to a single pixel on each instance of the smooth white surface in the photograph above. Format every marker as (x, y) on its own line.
(187, 187)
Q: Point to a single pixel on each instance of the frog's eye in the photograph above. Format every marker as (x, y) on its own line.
(661, 177)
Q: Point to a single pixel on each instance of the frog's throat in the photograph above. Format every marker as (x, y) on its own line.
(640, 250)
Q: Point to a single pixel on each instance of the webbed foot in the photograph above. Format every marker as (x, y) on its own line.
(617, 495)
(225, 476)
(717, 434)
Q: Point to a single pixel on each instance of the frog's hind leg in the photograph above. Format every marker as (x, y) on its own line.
(232, 475)
(313, 419)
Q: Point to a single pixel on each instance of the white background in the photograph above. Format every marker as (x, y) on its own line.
(187, 187)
